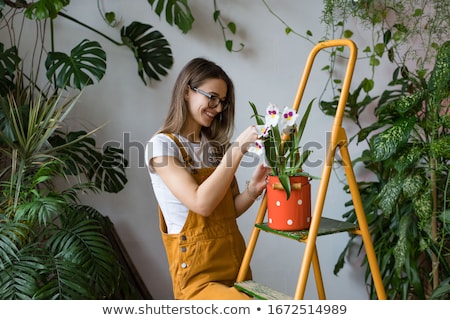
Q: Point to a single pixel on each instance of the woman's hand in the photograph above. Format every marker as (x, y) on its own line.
(258, 180)
(254, 189)
(247, 138)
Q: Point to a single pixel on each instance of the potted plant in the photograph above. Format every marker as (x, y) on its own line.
(288, 189)
(51, 245)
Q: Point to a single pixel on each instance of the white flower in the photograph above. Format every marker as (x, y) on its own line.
(262, 131)
(288, 119)
(257, 148)
(272, 115)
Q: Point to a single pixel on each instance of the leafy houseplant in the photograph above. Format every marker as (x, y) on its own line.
(406, 191)
(409, 152)
(52, 246)
(408, 143)
(280, 138)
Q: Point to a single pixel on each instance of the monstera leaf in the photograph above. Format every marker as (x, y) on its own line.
(9, 61)
(86, 60)
(44, 9)
(151, 50)
(177, 11)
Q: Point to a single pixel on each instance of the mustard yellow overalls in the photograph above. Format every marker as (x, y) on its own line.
(204, 258)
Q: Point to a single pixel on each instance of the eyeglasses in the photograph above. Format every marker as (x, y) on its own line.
(213, 100)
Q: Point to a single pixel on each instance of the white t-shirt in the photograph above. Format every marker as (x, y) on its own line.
(203, 155)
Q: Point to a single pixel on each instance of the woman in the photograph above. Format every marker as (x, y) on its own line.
(192, 166)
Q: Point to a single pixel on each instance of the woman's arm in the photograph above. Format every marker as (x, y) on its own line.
(254, 188)
(204, 198)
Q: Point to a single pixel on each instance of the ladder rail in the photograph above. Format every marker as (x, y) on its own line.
(363, 225)
(338, 140)
(245, 264)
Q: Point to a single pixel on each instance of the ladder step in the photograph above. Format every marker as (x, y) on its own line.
(327, 226)
(260, 291)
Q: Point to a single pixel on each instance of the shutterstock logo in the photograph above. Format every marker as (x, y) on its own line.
(134, 152)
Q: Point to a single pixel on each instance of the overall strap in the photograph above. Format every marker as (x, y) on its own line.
(186, 158)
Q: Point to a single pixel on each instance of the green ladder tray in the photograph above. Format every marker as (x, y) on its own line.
(327, 226)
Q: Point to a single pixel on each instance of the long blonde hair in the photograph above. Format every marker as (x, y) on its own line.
(194, 73)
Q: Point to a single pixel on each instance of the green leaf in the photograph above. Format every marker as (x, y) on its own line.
(42, 209)
(386, 143)
(285, 182)
(109, 175)
(21, 279)
(404, 103)
(441, 292)
(259, 119)
(12, 236)
(216, 15)
(86, 61)
(79, 154)
(398, 35)
(177, 11)
(229, 45)
(389, 195)
(440, 147)
(408, 159)
(43, 9)
(232, 27)
(374, 61)
(299, 161)
(151, 50)
(401, 27)
(438, 84)
(391, 54)
(9, 60)
(445, 217)
(368, 84)
(412, 185)
(387, 36)
(303, 122)
(401, 247)
(423, 207)
(418, 12)
(379, 49)
(66, 281)
(348, 34)
(110, 17)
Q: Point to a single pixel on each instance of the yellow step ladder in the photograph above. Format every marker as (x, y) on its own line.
(319, 225)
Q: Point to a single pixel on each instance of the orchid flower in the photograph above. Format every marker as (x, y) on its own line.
(257, 148)
(262, 131)
(272, 115)
(288, 120)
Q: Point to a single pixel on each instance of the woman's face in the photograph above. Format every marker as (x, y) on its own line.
(200, 112)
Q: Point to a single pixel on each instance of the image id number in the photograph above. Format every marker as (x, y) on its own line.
(307, 309)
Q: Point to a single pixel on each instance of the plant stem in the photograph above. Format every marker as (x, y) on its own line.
(435, 262)
(90, 28)
(285, 24)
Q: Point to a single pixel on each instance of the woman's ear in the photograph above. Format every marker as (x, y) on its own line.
(186, 92)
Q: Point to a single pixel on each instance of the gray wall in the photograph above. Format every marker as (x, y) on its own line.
(267, 70)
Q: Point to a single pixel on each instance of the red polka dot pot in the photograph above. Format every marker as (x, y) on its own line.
(291, 214)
